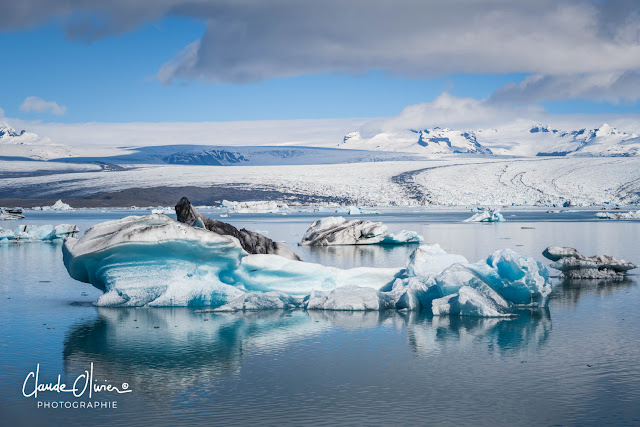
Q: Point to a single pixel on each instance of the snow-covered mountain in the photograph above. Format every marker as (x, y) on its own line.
(433, 141)
(516, 139)
(26, 144)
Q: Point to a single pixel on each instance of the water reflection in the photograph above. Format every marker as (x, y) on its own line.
(162, 350)
(570, 291)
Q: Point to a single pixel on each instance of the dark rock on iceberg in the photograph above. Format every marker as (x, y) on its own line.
(252, 242)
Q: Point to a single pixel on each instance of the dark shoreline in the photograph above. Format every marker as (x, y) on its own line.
(164, 196)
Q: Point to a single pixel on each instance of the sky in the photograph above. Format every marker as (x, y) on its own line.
(84, 61)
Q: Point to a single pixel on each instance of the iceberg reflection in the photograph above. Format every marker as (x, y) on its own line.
(162, 350)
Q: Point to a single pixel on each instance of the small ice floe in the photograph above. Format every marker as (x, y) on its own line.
(224, 215)
(335, 230)
(162, 210)
(259, 206)
(354, 210)
(619, 215)
(574, 265)
(486, 215)
(10, 214)
(38, 233)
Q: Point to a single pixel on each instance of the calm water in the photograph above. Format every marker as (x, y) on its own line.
(577, 363)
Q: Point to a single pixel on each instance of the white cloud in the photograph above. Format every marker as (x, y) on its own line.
(450, 111)
(559, 41)
(39, 105)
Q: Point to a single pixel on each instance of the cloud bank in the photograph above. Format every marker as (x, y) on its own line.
(572, 48)
(39, 105)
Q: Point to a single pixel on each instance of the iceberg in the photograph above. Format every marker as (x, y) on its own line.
(335, 230)
(10, 214)
(574, 265)
(57, 206)
(157, 261)
(486, 215)
(39, 233)
(619, 215)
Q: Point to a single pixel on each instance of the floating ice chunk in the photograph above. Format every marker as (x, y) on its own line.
(162, 210)
(348, 298)
(574, 265)
(262, 301)
(487, 215)
(431, 259)
(335, 230)
(402, 237)
(354, 210)
(58, 206)
(39, 232)
(619, 215)
(516, 279)
(259, 206)
(10, 214)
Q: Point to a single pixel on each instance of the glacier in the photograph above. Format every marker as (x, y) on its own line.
(155, 260)
(335, 230)
(26, 233)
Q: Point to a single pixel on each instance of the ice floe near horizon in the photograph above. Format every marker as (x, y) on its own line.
(157, 261)
(335, 230)
(486, 215)
(574, 265)
(619, 215)
(38, 233)
(57, 206)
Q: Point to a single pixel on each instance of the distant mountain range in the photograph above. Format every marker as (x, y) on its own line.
(29, 145)
(535, 140)
(518, 139)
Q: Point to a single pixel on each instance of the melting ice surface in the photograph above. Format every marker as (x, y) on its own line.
(157, 261)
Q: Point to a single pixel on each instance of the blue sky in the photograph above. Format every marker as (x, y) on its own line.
(114, 77)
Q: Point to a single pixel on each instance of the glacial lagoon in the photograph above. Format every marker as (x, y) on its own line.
(577, 362)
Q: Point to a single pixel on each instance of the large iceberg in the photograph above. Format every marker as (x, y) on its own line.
(574, 265)
(24, 233)
(335, 230)
(157, 261)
